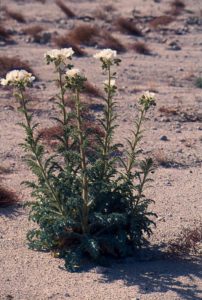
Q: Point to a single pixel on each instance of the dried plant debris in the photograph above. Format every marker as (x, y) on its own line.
(161, 21)
(188, 242)
(7, 197)
(169, 110)
(85, 35)
(109, 41)
(92, 90)
(33, 31)
(89, 36)
(15, 15)
(10, 63)
(4, 35)
(162, 159)
(66, 10)
(128, 26)
(101, 15)
(64, 41)
(37, 34)
(141, 48)
(181, 115)
(177, 7)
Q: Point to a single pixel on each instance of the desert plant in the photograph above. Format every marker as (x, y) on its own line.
(66, 10)
(187, 242)
(141, 48)
(85, 207)
(198, 82)
(84, 34)
(109, 41)
(128, 26)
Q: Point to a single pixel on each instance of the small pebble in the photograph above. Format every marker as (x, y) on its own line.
(163, 138)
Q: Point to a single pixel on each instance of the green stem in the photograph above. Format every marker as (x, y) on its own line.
(83, 164)
(131, 157)
(33, 149)
(108, 124)
(139, 195)
(64, 112)
(62, 92)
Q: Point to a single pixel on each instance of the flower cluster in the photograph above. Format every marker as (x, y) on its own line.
(106, 54)
(74, 79)
(107, 58)
(112, 82)
(73, 73)
(59, 57)
(147, 99)
(17, 78)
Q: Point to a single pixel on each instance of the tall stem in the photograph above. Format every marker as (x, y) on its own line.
(62, 92)
(108, 124)
(131, 157)
(83, 164)
(33, 149)
(64, 112)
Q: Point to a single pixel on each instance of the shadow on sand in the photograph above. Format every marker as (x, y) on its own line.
(159, 276)
(11, 211)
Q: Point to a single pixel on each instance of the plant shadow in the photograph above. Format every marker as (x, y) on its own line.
(158, 276)
(11, 211)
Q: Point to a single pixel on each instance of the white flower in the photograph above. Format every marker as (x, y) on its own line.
(73, 72)
(112, 82)
(59, 54)
(17, 76)
(4, 81)
(106, 54)
(149, 95)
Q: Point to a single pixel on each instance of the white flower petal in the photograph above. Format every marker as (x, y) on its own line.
(73, 72)
(107, 54)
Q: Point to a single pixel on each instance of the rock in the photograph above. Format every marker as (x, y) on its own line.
(164, 138)
(8, 107)
(194, 21)
(165, 119)
(174, 46)
(45, 38)
(182, 31)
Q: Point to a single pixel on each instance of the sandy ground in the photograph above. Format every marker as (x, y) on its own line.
(25, 274)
